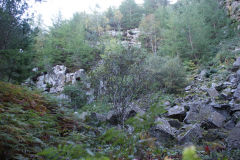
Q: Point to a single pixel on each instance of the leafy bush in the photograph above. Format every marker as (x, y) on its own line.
(167, 73)
(77, 94)
(189, 153)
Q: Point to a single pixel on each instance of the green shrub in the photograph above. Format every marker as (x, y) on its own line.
(189, 153)
(168, 72)
(77, 94)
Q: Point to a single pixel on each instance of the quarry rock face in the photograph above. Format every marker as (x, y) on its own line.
(55, 80)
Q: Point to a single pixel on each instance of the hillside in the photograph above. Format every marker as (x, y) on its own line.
(157, 81)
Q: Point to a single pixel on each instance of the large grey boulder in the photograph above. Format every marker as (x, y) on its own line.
(214, 119)
(163, 131)
(206, 115)
(177, 112)
(233, 140)
(212, 92)
(190, 133)
(236, 64)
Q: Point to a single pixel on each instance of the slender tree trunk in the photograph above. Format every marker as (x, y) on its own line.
(190, 41)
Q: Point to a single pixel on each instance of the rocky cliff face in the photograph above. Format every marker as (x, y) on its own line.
(54, 81)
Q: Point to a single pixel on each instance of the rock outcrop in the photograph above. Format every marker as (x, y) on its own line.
(54, 81)
(130, 37)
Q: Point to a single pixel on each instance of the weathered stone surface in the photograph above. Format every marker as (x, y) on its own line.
(203, 74)
(55, 81)
(163, 130)
(235, 107)
(206, 114)
(236, 64)
(227, 94)
(133, 110)
(236, 116)
(177, 112)
(113, 117)
(237, 93)
(190, 133)
(238, 124)
(214, 119)
(212, 92)
(188, 88)
(214, 134)
(229, 125)
(238, 75)
(233, 140)
(175, 123)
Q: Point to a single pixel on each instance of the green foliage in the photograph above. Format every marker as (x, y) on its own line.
(16, 36)
(122, 71)
(151, 5)
(189, 153)
(15, 65)
(190, 29)
(70, 152)
(97, 107)
(77, 94)
(167, 73)
(27, 122)
(132, 14)
(66, 44)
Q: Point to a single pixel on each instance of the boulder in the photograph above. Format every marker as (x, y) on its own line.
(167, 103)
(233, 140)
(236, 116)
(190, 133)
(229, 125)
(163, 131)
(175, 123)
(236, 94)
(188, 88)
(212, 92)
(236, 64)
(232, 78)
(211, 135)
(203, 74)
(227, 94)
(205, 114)
(133, 110)
(213, 120)
(113, 117)
(235, 107)
(238, 124)
(177, 112)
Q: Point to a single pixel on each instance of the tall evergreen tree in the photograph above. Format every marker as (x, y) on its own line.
(151, 5)
(132, 14)
(16, 35)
